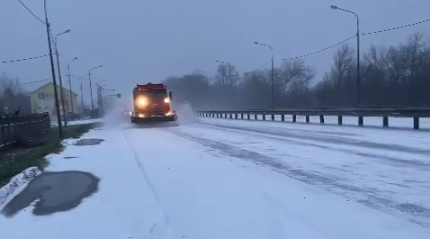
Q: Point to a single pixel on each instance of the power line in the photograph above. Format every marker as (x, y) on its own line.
(28, 9)
(319, 51)
(396, 28)
(265, 64)
(33, 82)
(368, 33)
(23, 59)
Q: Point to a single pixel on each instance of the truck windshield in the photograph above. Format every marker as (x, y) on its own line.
(154, 94)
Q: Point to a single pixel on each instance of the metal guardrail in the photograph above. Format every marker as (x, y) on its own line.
(22, 129)
(360, 113)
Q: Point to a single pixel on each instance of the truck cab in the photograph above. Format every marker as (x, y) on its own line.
(152, 102)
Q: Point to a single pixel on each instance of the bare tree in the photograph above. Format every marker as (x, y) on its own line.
(391, 76)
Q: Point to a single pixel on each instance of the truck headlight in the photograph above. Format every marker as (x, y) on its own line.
(167, 100)
(142, 102)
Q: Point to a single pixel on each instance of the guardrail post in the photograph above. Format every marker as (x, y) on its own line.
(360, 121)
(416, 123)
(9, 132)
(2, 134)
(14, 127)
(385, 121)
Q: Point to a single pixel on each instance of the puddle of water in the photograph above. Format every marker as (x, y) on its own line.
(83, 142)
(54, 192)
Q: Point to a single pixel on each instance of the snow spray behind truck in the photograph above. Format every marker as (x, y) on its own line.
(152, 103)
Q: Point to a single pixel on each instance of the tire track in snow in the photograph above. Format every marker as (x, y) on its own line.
(318, 137)
(366, 196)
(397, 161)
(158, 229)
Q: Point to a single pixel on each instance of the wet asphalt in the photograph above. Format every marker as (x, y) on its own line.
(55, 192)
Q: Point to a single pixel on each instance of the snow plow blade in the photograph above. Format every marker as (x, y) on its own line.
(149, 120)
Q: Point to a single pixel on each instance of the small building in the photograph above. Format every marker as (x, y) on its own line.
(43, 100)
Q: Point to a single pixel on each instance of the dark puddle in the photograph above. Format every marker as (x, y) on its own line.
(54, 192)
(83, 142)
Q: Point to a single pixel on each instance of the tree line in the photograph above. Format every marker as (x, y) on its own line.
(13, 97)
(391, 76)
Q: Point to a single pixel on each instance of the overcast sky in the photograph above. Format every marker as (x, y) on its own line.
(147, 40)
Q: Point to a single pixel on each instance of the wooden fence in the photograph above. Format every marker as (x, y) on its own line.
(24, 130)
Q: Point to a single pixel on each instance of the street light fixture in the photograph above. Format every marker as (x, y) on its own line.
(358, 50)
(70, 84)
(59, 73)
(91, 86)
(272, 80)
(54, 80)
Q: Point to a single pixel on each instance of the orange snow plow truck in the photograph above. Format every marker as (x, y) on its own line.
(152, 103)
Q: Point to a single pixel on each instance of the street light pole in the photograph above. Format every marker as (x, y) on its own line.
(229, 70)
(272, 78)
(99, 96)
(82, 111)
(70, 85)
(59, 75)
(54, 81)
(91, 86)
(82, 95)
(358, 93)
(205, 74)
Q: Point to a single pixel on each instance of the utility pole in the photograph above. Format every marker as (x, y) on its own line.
(91, 86)
(101, 101)
(82, 101)
(54, 81)
(91, 91)
(273, 82)
(61, 82)
(99, 97)
(70, 85)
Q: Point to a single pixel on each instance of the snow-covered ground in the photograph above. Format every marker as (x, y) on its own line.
(236, 179)
(76, 122)
(374, 122)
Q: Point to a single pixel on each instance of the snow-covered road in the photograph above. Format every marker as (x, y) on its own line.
(229, 179)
